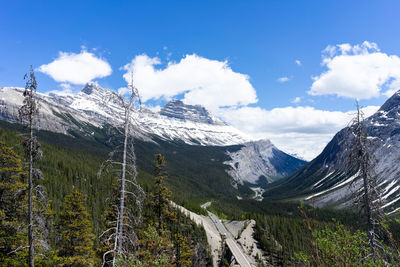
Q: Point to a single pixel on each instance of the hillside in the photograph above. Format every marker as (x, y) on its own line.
(92, 114)
(325, 180)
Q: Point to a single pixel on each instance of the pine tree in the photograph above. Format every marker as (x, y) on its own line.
(162, 196)
(110, 218)
(75, 230)
(183, 253)
(155, 248)
(13, 189)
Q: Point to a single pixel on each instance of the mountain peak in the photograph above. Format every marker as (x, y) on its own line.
(196, 113)
(392, 102)
(91, 87)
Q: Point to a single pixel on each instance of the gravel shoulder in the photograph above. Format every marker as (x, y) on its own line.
(249, 244)
(213, 237)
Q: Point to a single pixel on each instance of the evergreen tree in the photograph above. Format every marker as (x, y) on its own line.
(13, 235)
(110, 218)
(76, 238)
(155, 248)
(336, 245)
(183, 253)
(107, 244)
(162, 196)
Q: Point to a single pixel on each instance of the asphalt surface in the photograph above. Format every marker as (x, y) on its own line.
(231, 242)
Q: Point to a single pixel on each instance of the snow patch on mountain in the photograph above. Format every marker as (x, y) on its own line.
(95, 106)
(254, 162)
(326, 179)
(178, 110)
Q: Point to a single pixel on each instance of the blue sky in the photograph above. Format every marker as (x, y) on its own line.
(260, 39)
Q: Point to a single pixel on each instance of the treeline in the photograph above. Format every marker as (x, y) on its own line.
(290, 234)
(80, 207)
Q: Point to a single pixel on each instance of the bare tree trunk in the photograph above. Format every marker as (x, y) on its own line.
(123, 238)
(370, 224)
(26, 114)
(30, 185)
(120, 222)
(364, 168)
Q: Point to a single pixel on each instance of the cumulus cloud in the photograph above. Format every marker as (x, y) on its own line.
(298, 62)
(65, 89)
(296, 100)
(124, 91)
(283, 79)
(211, 83)
(359, 71)
(299, 130)
(76, 68)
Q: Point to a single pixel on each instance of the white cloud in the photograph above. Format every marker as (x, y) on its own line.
(210, 83)
(390, 92)
(66, 89)
(123, 91)
(154, 108)
(283, 79)
(76, 68)
(296, 100)
(300, 130)
(298, 62)
(359, 71)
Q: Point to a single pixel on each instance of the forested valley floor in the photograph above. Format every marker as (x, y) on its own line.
(78, 206)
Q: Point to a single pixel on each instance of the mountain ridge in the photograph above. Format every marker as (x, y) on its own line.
(93, 107)
(325, 180)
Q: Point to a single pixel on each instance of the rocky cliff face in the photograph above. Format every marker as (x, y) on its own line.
(260, 162)
(178, 110)
(94, 106)
(326, 179)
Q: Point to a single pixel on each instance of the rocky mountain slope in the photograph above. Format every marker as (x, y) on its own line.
(261, 163)
(326, 179)
(94, 108)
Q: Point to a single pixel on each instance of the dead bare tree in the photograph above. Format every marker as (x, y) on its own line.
(27, 115)
(368, 195)
(123, 160)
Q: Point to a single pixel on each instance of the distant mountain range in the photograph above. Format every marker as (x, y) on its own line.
(257, 165)
(325, 180)
(252, 163)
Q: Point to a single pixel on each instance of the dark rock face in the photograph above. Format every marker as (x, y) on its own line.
(91, 87)
(178, 110)
(325, 180)
(95, 108)
(261, 158)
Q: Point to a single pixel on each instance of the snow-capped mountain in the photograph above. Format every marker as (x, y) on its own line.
(94, 106)
(326, 179)
(177, 109)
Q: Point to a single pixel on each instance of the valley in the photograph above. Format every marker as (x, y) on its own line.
(199, 133)
(251, 189)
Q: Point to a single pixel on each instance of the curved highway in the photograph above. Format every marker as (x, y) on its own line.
(230, 241)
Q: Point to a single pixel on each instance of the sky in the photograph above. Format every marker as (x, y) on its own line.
(289, 71)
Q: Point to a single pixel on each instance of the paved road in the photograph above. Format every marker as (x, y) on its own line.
(231, 242)
(205, 205)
